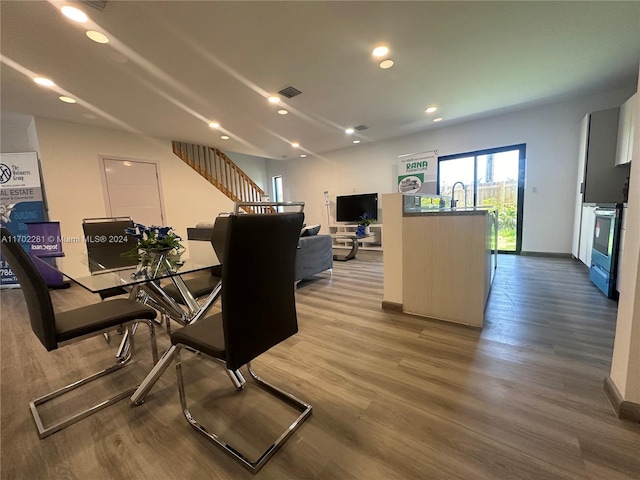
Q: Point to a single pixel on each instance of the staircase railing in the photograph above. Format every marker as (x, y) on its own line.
(222, 173)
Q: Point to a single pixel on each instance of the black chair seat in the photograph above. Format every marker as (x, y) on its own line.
(200, 285)
(97, 317)
(206, 336)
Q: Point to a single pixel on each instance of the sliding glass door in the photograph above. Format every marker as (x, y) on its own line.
(493, 177)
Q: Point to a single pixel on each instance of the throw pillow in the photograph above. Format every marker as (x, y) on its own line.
(310, 231)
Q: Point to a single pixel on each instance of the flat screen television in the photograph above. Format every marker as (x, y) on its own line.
(349, 208)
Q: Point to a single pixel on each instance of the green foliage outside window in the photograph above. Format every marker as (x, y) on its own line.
(507, 223)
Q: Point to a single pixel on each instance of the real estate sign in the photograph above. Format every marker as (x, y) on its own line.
(418, 173)
(21, 201)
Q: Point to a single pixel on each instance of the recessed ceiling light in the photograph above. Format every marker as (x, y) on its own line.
(386, 64)
(295, 144)
(282, 111)
(273, 99)
(225, 137)
(214, 125)
(431, 109)
(380, 51)
(97, 36)
(74, 14)
(439, 119)
(349, 131)
(303, 156)
(67, 99)
(356, 141)
(44, 82)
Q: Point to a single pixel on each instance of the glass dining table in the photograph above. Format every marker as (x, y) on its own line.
(145, 285)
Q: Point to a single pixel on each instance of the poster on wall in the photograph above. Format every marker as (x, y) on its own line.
(46, 244)
(418, 173)
(21, 201)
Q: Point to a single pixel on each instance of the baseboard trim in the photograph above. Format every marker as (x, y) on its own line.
(395, 307)
(624, 410)
(546, 254)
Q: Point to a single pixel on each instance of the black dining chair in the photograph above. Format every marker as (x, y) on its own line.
(58, 329)
(107, 247)
(258, 312)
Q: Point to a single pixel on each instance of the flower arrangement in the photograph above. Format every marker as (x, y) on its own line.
(366, 220)
(155, 238)
(158, 248)
(363, 225)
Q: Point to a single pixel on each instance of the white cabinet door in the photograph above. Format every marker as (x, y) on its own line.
(582, 161)
(624, 146)
(632, 125)
(586, 233)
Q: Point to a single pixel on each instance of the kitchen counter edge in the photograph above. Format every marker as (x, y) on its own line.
(451, 211)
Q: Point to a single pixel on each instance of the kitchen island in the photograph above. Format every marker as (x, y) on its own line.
(438, 263)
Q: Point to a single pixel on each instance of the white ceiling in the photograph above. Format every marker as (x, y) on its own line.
(172, 67)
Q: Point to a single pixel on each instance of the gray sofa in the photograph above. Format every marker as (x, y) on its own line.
(314, 254)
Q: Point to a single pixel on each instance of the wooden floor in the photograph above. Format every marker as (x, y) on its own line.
(394, 397)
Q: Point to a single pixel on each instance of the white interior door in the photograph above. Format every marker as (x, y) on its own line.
(133, 190)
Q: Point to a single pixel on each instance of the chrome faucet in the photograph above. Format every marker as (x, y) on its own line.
(464, 189)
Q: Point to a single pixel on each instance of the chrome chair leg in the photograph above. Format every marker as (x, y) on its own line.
(257, 464)
(123, 349)
(46, 431)
(167, 320)
(236, 378)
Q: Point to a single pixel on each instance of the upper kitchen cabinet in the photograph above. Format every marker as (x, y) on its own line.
(601, 181)
(625, 131)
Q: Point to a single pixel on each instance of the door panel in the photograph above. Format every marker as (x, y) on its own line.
(133, 190)
(497, 185)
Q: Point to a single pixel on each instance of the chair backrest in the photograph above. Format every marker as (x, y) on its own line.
(107, 243)
(258, 275)
(219, 235)
(34, 288)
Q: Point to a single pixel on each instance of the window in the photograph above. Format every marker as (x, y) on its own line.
(277, 190)
(489, 177)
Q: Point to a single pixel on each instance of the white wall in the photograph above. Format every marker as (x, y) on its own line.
(255, 167)
(550, 132)
(69, 156)
(17, 133)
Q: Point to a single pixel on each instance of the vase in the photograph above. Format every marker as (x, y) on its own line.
(367, 229)
(157, 261)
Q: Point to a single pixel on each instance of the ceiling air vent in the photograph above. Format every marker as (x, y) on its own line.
(289, 92)
(98, 4)
(361, 127)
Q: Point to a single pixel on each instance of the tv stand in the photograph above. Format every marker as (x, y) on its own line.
(341, 233)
